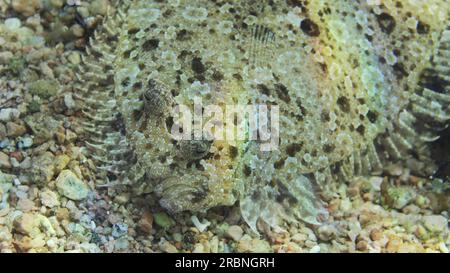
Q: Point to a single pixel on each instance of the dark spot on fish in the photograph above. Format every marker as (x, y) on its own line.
(183, 35)
(237, 76)
(293, 149)
(200, 77)
(295, 3)
(233, 152)
(125, 82)
(361, 129)
(247, 170)
(328, 148)
(325, 117)
(399, 70)
(127, 54)
(151, 44)
(422, 28)
(217, 76)
(133, 31)
(108, 81)
(310, 28)
(197, 66)
(137, 86)
(199, 195)
(279, 164)
(303, 110)
(344, 104)
(263, 89)
(386, 22)
(118, 124)
(372, 116)
(282, 92)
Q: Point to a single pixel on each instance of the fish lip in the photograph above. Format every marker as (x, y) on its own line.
(177, 196)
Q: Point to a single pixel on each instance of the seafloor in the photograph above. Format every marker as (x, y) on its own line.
(60, 208)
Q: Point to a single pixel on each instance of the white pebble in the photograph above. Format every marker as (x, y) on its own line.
(12, 23)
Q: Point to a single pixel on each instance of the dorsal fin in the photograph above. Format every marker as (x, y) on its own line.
(103, 124)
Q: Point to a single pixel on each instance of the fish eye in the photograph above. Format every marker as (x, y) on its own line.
(156, 99)
(194, 149)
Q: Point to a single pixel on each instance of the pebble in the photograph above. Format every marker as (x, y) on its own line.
(410, 248)
(362, 246)
(177, 237)
(346, 205)
(315, 249)
(299, 238)
(146, 222)
(376, 234)
(121, 244)
(69, 185)
(44, 88)
(326, 232)
(26, 7)
(69, 101)
(122, 198)
(4, 143)
(396, 197)
(77, 30)
(62, 214)
(393, 244)
(51, 243)
(61, 162)
(25, 142)
(253, 246)
(201, 226)
(43, 166)
(99, 7)
(2, 133)
(25, 205)
(49, 198)
(235, 233)
(33, 224)
(198, 248)
(4, 161)
(435, 223)
(13, 23)
(8, 114)
(14, 129)
(214, 244)
(163, 220)
(44, 127)
(168, 247)
(119, 229)
(6, 56)
(443, 248)
(74, 58)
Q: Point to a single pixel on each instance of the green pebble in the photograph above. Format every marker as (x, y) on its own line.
(34, 106)
(44, 88)
(16, 65)
(163, 220)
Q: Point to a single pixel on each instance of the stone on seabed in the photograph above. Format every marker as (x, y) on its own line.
(71, 186)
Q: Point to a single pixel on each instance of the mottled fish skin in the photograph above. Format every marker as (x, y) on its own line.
(351, 78)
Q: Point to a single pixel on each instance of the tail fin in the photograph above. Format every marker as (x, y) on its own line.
(260, 45)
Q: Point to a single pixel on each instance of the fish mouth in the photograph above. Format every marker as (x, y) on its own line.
(194, 194)
(177, 194)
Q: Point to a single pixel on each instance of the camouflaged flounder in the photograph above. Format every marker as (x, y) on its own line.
(358, 83)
